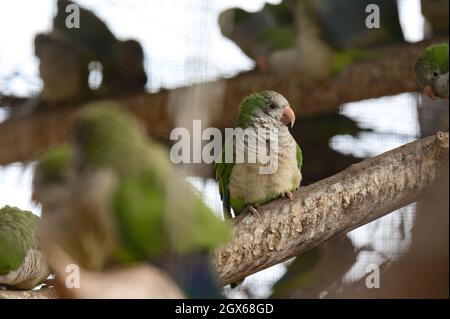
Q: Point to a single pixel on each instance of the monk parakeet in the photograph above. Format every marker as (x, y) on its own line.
(432, 71)
(126, 204)
(242, 185)
(22, 265)
(63, 68)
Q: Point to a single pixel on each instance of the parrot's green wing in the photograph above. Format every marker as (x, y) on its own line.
(159, 212)
(17, 235)
(223, 176)
(299, 157)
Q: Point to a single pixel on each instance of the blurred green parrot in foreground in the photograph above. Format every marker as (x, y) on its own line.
(243, 185)
(22, 265)
(124, 203)
(431, 70)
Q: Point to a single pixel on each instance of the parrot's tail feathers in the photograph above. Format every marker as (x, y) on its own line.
(194, 274)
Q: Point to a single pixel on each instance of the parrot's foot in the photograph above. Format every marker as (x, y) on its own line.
(288, 195)
(49, 282)
(252, 209)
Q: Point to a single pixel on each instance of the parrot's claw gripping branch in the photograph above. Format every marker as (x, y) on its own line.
(333, 206)
(253, 210)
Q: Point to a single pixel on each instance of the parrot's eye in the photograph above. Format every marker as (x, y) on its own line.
(272, 105)
(435, 74)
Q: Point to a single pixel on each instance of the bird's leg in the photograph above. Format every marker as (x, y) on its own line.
(288, 195)
(252, 209)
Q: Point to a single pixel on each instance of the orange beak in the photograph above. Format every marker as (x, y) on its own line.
(288, 116)
(428, 90)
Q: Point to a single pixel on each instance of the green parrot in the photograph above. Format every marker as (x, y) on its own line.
(124, 203)
(431, 70)
(22, 264)
(241, 185)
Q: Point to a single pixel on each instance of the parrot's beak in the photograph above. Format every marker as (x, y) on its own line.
(428, 90)
(288, 116)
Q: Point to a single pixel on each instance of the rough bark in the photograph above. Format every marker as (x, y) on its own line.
(24, 137)
(326, 209)
(45, 293)
(332, 207)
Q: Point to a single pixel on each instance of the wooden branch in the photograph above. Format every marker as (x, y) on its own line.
(328, 208)
(45, 293)
(24, 137)
(332, 207)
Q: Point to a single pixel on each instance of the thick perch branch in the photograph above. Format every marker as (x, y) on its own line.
(22, 138)
(45, 293)
(332, 207)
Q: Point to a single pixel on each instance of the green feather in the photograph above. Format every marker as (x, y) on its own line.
(299, 157)
(435, 57)
(247, 107)
(54, 163)
(17, 236)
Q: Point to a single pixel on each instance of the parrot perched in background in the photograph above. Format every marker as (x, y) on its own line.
(93, 33)
(124, 203)
(313, 38)
(125, 69)
(122, 61)
(63, 68)
(241, 185)
(342, 23)
(259, 33)
(431, 70)
(436, 14)
(22, 264)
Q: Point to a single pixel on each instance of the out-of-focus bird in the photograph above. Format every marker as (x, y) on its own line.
(431, 70)
(122, 61)
(125, 69)
(244, 185)
(343, 23)
(319, 38)
(436, 14)
(259, 33)
(22, 265)
(126, 204)
(63, 68)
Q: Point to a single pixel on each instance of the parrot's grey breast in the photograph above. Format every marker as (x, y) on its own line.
(441, 86)
(248, 183)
